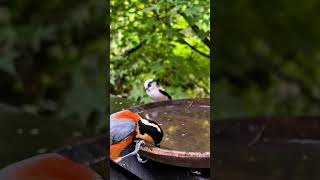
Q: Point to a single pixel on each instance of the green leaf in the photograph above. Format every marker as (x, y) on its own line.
(152, 8)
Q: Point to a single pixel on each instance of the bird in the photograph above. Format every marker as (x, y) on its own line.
(155, 91)
(126, 127)
(48, 166)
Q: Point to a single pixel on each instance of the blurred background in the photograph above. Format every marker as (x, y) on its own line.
(267, 58)
(167, 40)
(52, 74)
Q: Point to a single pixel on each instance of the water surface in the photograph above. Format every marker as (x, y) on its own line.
(186, 128)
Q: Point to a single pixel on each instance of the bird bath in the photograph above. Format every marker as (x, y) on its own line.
(267, 148)
(186, 127)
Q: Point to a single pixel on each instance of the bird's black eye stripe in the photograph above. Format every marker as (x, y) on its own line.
(149, 84)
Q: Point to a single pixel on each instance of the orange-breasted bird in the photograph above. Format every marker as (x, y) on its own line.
(125, 126)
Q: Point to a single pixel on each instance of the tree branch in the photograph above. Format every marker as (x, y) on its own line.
(181, 40)
(132, 50)
(194, 48)
(196, 30)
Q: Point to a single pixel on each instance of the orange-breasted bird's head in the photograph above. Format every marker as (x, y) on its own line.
(149, 131)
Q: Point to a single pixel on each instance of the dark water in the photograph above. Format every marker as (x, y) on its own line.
(185, 128)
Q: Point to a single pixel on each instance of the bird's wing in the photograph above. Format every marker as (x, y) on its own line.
(162, 91)
(120, 129)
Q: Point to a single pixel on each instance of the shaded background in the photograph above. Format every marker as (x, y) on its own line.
(266, 65)
(165, 40)
(52, 75)
(267, 58)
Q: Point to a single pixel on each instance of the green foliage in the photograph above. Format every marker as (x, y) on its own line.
(267, 58)
(51, 51)
(166, 40)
